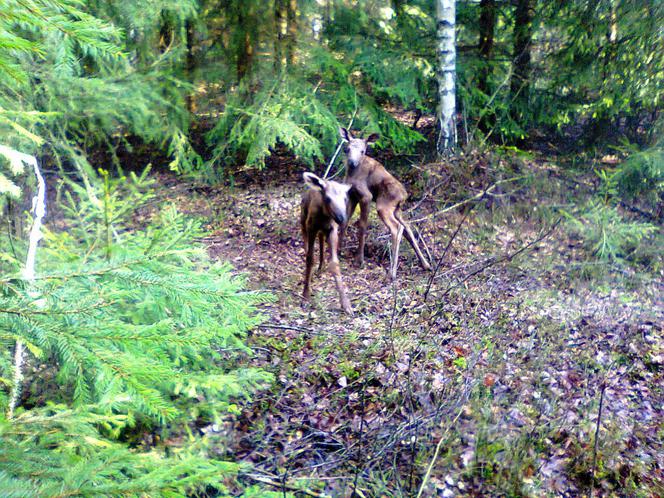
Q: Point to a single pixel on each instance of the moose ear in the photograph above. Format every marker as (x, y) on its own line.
(373, 138)
(313, 181)
(345, 134)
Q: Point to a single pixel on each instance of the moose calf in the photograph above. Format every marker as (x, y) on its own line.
(324, 209)
(369, 180)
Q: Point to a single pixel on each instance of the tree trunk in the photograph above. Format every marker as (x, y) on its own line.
(291, 40)
(397, 6)
(190, 63)
(446, 76)
(523, 37)
(280, 32)
(328, 14)
(487, 28)
(612, 36)
(245, 38)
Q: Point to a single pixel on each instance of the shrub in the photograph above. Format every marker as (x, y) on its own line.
(125, 328)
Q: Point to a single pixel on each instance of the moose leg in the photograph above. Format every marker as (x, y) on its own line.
(365, 204)
(333, 242)
(352, 204)
(321, 262)
(309, 251)
(386, 214)
(412, 240)
(396, 251)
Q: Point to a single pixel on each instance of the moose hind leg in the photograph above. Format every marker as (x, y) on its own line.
(412, 240)
(385, 214)
(321, 262)
(363, 224)
(352, 204)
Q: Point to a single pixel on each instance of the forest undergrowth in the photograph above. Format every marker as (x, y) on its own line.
(521, 366)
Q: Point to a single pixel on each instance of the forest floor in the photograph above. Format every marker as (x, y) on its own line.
(483, 378)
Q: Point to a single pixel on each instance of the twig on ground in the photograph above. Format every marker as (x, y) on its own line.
(427, 194)
(282, 485)
(360, 446)
(447, 248)
(465, 394)
(599, 422)
(470, 199)
(493, 261)
(285, 327)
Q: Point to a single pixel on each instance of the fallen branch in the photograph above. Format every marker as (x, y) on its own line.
(493, 261)
(427, 194)
(447, 248)
(285, 327)
(437, 452)
(470, 199)
(282, 485)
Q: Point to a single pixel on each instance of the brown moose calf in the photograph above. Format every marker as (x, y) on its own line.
(324, 209)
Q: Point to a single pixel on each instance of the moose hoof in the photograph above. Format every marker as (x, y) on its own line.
(359, 262)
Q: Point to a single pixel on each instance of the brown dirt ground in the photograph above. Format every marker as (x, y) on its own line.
(504, 368)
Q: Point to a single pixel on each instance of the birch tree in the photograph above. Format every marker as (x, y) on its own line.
(17, 160)
(446, 75)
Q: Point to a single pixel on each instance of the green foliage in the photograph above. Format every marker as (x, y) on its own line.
(284, 113)
(60, 32)
(590, 77)
(300, 110)
(58, 451)
(609, 236)
(15, 167)
(68, 78)
(122, 325)
(642, 174)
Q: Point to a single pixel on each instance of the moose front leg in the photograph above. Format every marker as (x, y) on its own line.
(365, 204)
(333, 242)
(310, 242)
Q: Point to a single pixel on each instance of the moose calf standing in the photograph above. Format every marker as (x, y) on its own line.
(324, 209)
(371, 181)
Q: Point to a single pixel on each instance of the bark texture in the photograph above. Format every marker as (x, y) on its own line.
(523, 39)
(291, 40)
(446, 75)
(487, 29)
(246, 26)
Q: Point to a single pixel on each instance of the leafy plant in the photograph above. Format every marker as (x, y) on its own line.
(642, 174)
(608, 235)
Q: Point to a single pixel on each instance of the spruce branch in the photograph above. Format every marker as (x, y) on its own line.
(39, 211)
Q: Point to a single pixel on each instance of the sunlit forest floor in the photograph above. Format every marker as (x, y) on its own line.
(489, 372)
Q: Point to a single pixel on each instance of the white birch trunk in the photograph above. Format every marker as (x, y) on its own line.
(446, 75)
(39, 211)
